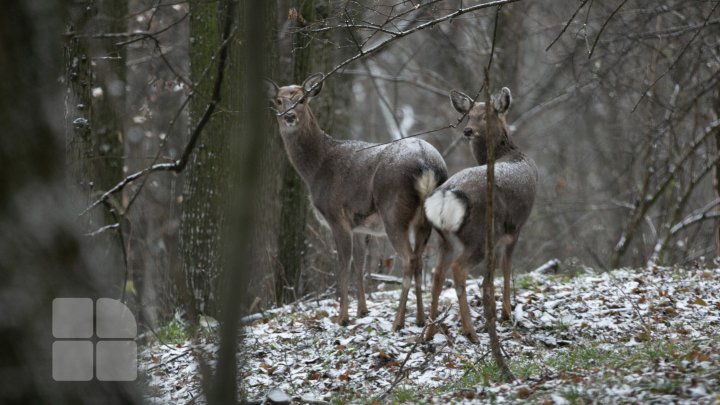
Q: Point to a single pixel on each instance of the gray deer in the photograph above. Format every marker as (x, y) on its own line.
(457, 208)
(354, 187)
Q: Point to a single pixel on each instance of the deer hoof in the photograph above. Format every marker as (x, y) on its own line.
(342, 321)
(472, 337)
(362, 312)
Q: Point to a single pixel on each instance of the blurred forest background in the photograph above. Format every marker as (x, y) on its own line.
(617, 102)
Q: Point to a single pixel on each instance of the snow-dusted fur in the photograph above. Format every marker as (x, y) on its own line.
(445, 210)
(361, 187)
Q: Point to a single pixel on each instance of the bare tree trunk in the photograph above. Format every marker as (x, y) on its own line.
(716, 179)
(206, 183)
(249, 148)
(488, 286)
(293, 197)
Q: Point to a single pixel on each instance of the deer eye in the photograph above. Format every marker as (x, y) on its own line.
(277, 101)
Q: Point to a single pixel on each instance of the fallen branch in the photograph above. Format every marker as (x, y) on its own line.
(552, 264)
(385, 278)
(400, 374)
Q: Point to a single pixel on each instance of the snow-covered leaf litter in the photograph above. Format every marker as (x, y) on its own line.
(300, 351)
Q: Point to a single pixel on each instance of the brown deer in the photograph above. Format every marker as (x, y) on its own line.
(456, 209)
(361, 187)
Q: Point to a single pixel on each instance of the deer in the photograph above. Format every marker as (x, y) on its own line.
(456, 209)
(361, 187)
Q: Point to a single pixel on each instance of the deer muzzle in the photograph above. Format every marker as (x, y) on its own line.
(290, 118)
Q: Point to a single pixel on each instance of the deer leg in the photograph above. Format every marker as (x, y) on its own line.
(437, 286)
(403, 249)
(460, 277)
(422, 234)
(343, 242)
(507, 277)
(362, 247)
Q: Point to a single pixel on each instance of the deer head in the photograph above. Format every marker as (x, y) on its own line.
(477, 116)
(291, 103)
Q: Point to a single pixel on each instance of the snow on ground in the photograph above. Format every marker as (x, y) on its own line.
(624, 336)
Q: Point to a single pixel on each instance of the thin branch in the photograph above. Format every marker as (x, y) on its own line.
(397, 79)
(145, 34)
(380, 94)
(492, 47)
(102, 229)
(694, 219)
(641, 207)
(684, 49)
(401, 34)
(400, 374)
(178, 113)
(605, 24)
(181, 163)
(577, 10)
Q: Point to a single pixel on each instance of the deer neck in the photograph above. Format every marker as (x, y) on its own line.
(504, 146)
(307, 148)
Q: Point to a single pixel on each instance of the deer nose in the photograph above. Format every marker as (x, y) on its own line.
(467, 132)
(290, 116)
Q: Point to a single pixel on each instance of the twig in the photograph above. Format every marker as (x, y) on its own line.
(102, 229)
(400, 375)
(170, 360)
(401, 34)
(672, 65)
(181, 163)
(605, 24)
(577, 10)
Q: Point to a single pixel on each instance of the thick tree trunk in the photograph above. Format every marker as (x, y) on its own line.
(248, 67)
(210, 168)
(293, 195)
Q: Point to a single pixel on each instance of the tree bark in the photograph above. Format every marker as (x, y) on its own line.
(488, 286)
(293, 196)
(248, 67)
(208, 171)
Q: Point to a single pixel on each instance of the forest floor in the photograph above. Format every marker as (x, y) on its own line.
(646, 335)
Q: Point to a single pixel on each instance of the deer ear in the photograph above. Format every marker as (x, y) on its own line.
(461, 102)
(313, 84)
(502, 100)
(271, 89)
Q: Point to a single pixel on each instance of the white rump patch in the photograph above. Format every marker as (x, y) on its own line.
(426, 183)
(445, 210)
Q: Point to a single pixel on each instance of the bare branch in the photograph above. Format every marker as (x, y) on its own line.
(181, 163)
(102, 229)
(577, 10)
(605, 24)
(684, 49)
(401, 34)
